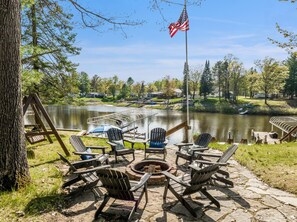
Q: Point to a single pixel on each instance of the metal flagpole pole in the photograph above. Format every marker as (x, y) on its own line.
(187, 78)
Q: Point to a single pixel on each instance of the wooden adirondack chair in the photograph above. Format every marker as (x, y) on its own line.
(189, 184)
(85, 152)
(188, 151)
(222, 159)
(117, 143)
(119, 187)
(157, 142)
(88, 175)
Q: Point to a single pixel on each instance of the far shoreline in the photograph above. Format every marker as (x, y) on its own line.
(244, 106)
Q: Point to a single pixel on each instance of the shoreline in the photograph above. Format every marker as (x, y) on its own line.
(244, 106)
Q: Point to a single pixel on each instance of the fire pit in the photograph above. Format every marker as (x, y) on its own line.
(155, 167)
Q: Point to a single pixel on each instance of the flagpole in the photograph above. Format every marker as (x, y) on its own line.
(187, 78)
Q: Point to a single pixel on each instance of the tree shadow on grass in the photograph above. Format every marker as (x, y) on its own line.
(44, 204)
(61, 203)
(46, 162)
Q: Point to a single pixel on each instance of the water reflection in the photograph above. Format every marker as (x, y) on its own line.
(218, 125)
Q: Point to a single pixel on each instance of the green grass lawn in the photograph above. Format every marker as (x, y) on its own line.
(274, 164)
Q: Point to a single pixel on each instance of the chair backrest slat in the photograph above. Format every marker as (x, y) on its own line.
(227, 154)
(158, 135)
(200, 178)
(116, 183)
(203, 139)
(114, 134)
(77, 143)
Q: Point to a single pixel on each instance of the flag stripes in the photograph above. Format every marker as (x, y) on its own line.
(182, 24)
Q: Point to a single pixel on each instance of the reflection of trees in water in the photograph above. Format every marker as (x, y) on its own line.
(217, 125)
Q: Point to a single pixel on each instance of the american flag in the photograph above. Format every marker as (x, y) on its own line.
(182, 23)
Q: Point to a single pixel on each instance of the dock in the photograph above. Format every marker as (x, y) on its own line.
(265, 137)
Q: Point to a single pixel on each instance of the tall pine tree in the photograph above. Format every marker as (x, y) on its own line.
(291, 82)
(206, 82)
(47, 41)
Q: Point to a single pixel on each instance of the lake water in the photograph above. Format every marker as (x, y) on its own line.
(218, 125)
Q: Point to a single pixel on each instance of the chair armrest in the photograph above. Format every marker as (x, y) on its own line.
(180, 145)
(111, 143)
(102, 148)
(129, 141)
(85, 163)
(142, 181)
(210, 155)
(87, 154)
(199, 149)
(183, 144)
(91, 170)
(210, 162)
(176, 179)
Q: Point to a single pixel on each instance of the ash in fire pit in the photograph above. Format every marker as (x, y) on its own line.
(152, 169)
(155, 167)
(150, 166)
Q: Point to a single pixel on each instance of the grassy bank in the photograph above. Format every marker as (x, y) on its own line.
(274, 164)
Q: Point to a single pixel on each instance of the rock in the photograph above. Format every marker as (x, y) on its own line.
(239, 215)
(271, 202)
(289, 212)
(287, 200)
(20, 213)
(268, 215)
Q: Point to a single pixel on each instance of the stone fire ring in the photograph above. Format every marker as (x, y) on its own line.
(134, 173)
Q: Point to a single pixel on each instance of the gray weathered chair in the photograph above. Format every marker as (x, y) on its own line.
(188, 151)
(119, 187)
(87, 175)
(85, 152)
(189, 184)
(222, 159)
(117, 143)
(157, 142)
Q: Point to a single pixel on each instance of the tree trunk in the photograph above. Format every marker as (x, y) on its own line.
(14, 169)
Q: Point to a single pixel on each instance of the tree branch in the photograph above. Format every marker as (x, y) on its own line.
(24, 60)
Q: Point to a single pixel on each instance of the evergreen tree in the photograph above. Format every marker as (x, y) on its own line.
(47, 41)
(218, 73)
(206, 82)
(130, 82)
(290, 87)
(225, 79)
(124, 91)
(84, 84)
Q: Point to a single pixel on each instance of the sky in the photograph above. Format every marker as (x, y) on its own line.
(147, 53)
